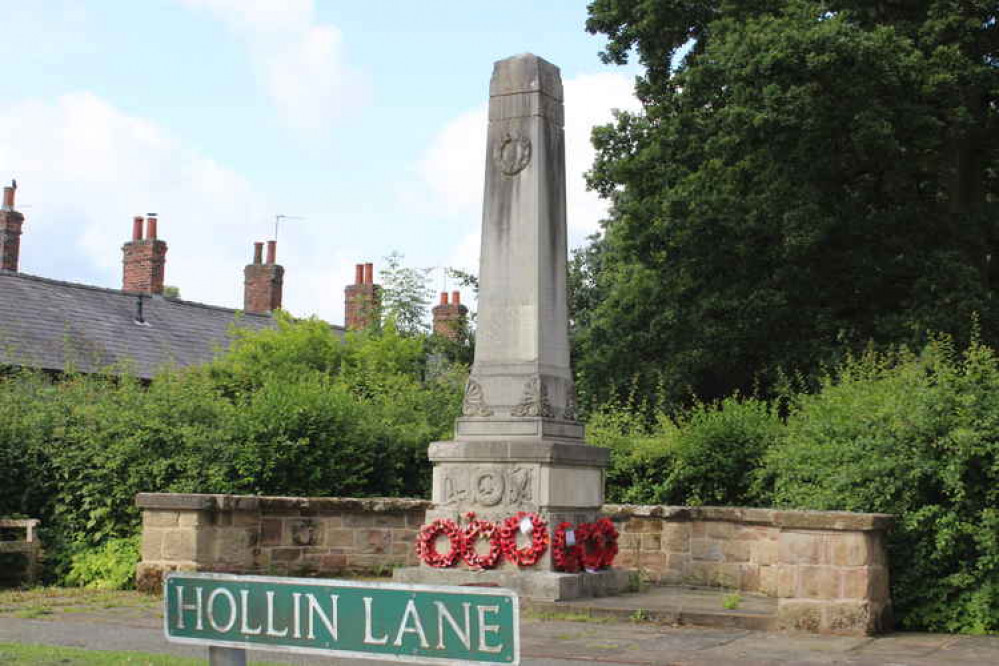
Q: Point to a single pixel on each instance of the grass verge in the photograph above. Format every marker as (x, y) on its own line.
(19, 654)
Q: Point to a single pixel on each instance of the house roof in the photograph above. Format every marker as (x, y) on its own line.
(56, 325)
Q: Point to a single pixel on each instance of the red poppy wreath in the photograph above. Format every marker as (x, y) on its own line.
(481, 529)
(426, 543)
(529, 555)
(567, 557)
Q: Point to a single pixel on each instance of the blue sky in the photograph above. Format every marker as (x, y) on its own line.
(366, 118)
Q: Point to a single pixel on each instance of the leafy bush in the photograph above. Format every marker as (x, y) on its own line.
(704, 456)
(290, 411)
(916, 436)
(110, 566)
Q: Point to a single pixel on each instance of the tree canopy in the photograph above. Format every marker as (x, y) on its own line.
(803, 177)
(405, 295)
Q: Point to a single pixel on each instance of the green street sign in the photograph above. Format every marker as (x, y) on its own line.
(411, 623)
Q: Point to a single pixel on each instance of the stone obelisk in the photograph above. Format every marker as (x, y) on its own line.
(518, 445)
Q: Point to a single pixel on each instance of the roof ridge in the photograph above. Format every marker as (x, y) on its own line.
(120, 292)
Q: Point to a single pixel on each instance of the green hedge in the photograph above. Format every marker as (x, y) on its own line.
(915, 435)
(706, 455)
(293, 411)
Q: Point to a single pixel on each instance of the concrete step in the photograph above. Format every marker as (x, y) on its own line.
(674, 605)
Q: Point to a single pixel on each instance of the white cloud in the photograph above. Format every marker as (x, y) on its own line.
(453, 166)
(299, 62)
(84, 168)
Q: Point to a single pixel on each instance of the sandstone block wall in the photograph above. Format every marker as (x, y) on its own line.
(274, 535)
(29, 548)
(828, 570)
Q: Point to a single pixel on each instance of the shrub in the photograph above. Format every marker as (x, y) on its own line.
(290, 411)
(110, 566)
(917, 436)
(704, 456)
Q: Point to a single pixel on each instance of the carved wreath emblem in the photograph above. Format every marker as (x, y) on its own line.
(512, 153)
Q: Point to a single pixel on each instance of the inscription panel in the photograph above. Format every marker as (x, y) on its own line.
(486, 485)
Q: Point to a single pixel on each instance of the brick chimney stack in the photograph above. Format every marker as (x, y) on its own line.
(449, 318)
(263, 283)
(10, 230)
(363, 298)
(144, 259)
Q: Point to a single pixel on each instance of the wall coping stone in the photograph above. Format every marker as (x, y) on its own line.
(196, 502)
(806, 520)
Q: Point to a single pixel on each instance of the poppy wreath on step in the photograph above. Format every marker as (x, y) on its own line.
(481, 529)
(566, 558)
(426, 543)
(529, 555)
(606, 527)
(591, 546)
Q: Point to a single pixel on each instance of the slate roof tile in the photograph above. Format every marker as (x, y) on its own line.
(53, 325)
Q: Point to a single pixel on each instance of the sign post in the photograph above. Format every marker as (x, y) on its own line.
(396, 622)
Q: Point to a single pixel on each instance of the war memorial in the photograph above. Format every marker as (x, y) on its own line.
(518, 447)
(518, 497)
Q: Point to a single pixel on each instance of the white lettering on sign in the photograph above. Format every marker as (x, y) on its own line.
(444, 614)
(417, 627)
(315, 609)
(487, 629)
(271, 631)
(474, 627)
(231, 600)
(368, 638)
(196, 607)
(244, 612)
(296, 614)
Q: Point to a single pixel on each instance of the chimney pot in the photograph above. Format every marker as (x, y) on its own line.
(10, 231)
(456, 298)
(369, 273)
(144, 263)
(443, 298)
(359, 274)
(263, 284)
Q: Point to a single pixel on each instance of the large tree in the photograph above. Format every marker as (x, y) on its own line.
(803, 177)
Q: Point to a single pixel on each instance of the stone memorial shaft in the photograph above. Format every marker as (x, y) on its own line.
(521, 364)
(518, 446)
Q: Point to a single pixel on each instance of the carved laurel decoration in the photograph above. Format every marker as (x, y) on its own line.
(535, 400)
(474, 403)
(512, 153)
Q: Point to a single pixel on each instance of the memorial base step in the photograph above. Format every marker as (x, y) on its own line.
(537, 585)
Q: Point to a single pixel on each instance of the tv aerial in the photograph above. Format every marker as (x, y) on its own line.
(279, 218)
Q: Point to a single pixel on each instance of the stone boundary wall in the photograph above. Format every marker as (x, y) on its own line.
(29, 547)
(828, 570)
(274, 535)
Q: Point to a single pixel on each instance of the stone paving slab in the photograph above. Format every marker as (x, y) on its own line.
(673, 605)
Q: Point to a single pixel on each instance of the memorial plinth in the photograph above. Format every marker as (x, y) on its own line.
(518, 445)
